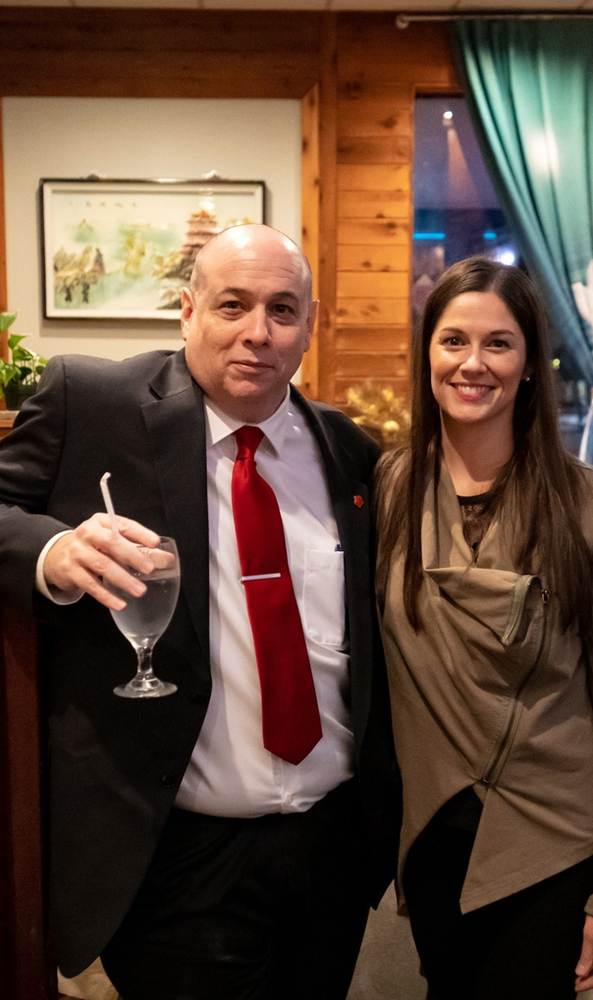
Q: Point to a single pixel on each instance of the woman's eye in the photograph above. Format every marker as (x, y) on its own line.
(500, 343)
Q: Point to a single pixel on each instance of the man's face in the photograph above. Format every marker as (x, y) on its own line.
(249, 322)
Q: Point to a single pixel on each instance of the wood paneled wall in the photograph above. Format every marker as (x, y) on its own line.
(356, 76)
(380, 70)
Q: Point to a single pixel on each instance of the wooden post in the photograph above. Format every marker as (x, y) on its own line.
(26, 971)
(3, 291)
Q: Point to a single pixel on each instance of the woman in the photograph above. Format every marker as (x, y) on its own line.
(485, 585)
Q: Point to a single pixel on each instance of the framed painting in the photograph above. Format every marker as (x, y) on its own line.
(123, 249)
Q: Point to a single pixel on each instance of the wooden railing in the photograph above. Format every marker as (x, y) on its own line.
(7, 418)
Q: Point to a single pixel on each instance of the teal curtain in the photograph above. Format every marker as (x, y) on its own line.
(529, 85)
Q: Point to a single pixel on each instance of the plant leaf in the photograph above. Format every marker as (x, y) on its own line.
(6, 320)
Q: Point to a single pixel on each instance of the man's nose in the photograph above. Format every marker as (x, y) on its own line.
(257, 330)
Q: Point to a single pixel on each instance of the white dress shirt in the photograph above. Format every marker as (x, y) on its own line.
(230, 772)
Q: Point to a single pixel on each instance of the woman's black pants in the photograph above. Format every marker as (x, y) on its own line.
(523, 947)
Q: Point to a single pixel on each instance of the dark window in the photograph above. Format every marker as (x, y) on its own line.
(456, 211)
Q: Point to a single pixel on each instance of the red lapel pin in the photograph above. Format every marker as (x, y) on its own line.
(358, 501)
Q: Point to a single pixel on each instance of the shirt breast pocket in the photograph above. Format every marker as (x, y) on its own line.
(324, 597)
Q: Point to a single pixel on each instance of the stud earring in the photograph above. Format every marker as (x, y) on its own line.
(527, 378)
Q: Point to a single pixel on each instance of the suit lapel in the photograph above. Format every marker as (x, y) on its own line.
(175, 425)
(353, 520)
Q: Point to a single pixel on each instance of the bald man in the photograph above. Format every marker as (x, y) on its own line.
(223, 842)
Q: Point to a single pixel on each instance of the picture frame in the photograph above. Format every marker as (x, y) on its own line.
(123, 249)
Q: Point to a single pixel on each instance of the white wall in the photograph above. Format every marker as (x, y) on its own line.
(68, 137)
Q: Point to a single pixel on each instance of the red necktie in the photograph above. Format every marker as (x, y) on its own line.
(290, 717)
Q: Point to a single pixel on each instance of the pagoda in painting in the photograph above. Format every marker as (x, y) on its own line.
(175, 270)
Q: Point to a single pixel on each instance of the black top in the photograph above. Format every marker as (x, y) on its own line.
(477, 513)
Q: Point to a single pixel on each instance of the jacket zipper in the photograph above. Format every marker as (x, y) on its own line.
(494, 769)
(517, 609)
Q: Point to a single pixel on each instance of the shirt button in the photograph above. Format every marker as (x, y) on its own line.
(168, 780)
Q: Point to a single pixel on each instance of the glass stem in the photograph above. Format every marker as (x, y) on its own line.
(144, 667)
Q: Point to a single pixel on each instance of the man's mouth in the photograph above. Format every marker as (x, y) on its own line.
(248, 363)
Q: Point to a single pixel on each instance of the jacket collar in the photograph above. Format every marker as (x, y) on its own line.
(175, 426)
(351, 502)
(486, 586)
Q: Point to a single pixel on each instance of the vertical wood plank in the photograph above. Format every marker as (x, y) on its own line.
(328, 144)
(3, 288)
(310, 223)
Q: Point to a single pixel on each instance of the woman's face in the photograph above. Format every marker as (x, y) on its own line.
(478, 356)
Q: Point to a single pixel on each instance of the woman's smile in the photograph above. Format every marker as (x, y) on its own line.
(470, 391)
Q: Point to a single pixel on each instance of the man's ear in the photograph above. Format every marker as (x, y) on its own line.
(187, 309)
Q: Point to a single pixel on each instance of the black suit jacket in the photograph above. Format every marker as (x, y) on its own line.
(116, 763)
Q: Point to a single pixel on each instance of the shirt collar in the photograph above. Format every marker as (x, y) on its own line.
(220, 426)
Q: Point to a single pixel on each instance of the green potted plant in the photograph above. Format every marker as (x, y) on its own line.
(19, 377)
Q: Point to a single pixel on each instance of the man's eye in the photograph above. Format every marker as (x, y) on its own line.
(231, 304)
(283, 308)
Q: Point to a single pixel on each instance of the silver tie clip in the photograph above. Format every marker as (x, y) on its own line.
(261, 576)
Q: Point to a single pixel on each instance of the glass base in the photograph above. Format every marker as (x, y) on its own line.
(145, 687)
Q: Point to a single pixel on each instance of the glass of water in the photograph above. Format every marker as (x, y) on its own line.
(144, 619)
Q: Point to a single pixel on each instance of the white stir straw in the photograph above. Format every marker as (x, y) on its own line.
(109, 502)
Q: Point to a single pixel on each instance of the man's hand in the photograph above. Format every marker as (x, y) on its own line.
(84, 558)
(584, 969)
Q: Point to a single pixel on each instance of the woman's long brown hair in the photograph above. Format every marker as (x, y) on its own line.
(541, 490)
